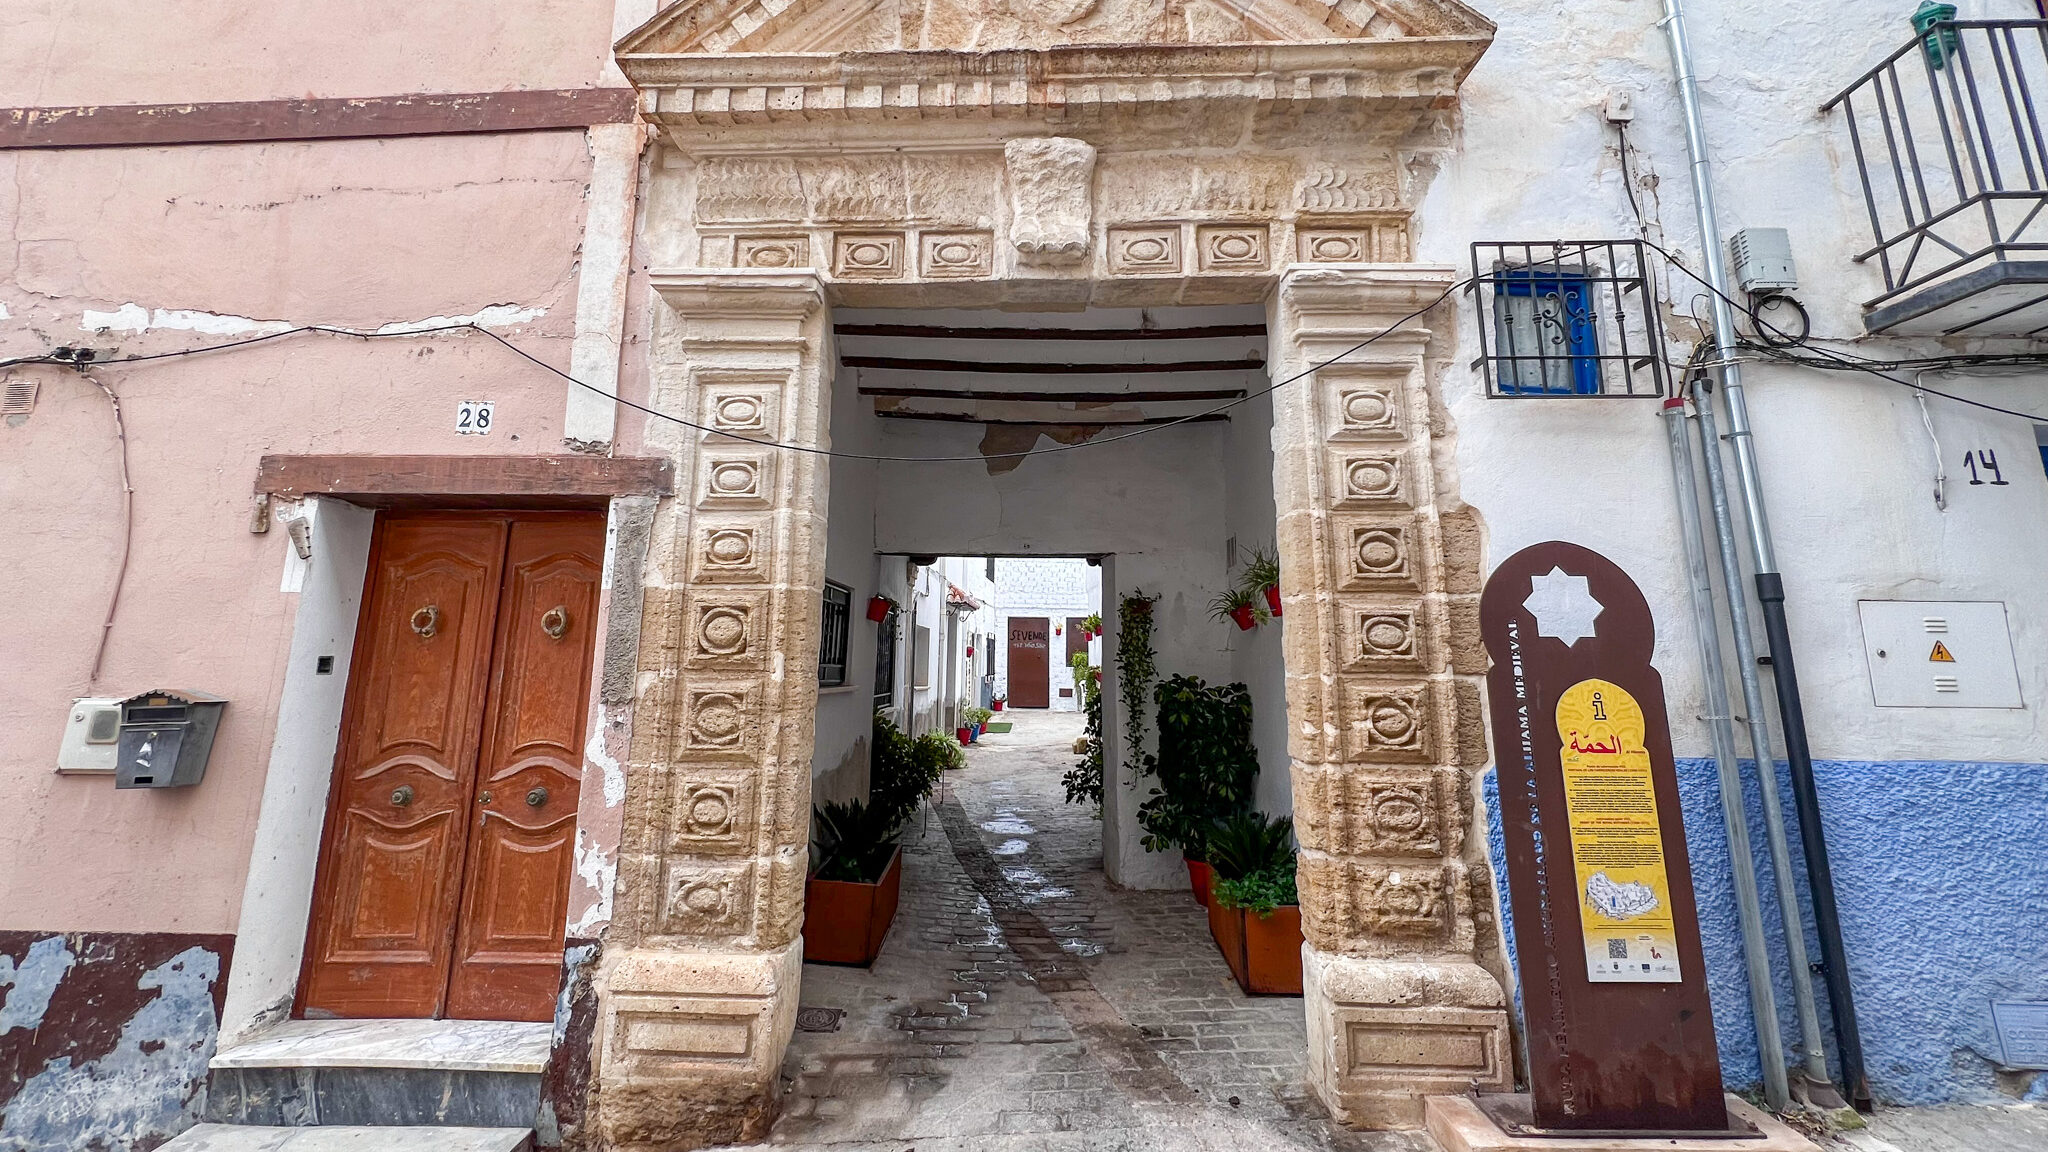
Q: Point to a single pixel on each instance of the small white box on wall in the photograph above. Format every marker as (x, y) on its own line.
(1940, 654)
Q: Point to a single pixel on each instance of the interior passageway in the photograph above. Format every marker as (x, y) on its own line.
(1022, 1002)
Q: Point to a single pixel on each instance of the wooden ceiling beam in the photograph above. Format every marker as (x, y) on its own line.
(1053, 397)
(915, 364)
(934, 332)
(964, 418)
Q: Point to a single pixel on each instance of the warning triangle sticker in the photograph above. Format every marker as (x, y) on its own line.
(1940, 654)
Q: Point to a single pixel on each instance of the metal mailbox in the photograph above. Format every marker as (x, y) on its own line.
(166, 737)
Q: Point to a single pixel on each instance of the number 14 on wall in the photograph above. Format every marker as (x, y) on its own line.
(473, 417)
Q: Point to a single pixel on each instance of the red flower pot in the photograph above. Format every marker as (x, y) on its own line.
(965, 735)
(878, 608)
(845, 921)
(995, 706)
(1273, 599)
(1243, 616)
(1199, 875)
(1264, 953)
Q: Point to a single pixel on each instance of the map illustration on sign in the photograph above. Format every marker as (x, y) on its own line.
(1617, 839)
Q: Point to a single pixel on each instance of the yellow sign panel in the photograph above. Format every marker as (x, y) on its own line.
(1617, 842)
(1940, 654)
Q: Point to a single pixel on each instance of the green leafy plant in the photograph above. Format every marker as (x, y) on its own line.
(1246, 843)
(1227, 604)
(1083, 781)
(974, 716)
(854, 841)
(1093, 623)
(902, 771)
(1134, 668)
(1206, 766)
(1261, 571)
(1259, 893)
(936, 752)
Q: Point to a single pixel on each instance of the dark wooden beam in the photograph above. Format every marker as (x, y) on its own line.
(252, 121)
(914, 364)
(930, 332)
(372, 479)
(1054, 397)
(963, 418)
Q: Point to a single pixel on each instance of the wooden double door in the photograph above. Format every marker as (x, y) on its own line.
(451, 824)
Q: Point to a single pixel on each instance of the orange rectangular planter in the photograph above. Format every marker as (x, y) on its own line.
(1264, 953)
(846, 920)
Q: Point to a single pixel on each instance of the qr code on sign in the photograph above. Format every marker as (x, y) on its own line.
(1617, 949)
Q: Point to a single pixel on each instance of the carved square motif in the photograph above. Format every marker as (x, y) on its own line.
(1366, 409)
(1401, 901)
(1401, 818)
(868, 256)
(734, 481)
(956, 255)
(711, 813)
(771, 252)
(1333, 246)
(1388, 722)
(729, 553)
(707, 900)
(1381, 638)
(726, 630)
(1378, 555)
(1370, 479)
(716, 721)
(1144, 251)
(1231, 248)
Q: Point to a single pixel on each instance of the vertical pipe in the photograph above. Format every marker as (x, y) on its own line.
(1770, 585)
(1714, 673)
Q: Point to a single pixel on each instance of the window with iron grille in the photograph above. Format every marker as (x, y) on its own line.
(1567, 319)
(838, 620)
(885, 662)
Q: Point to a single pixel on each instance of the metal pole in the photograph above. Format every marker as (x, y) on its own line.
(1816, 1064)
(1770, 585)
(1720, 724)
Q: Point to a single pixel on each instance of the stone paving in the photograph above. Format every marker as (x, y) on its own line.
(1021, 1002)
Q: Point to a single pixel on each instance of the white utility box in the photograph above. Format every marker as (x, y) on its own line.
(92, 735)
(1940, 654)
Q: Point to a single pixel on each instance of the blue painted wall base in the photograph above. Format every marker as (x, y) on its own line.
(1941, 871)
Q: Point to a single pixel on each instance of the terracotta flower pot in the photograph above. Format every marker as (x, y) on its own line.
(1199, 876)
(845, 921)
(1273, 599)
(1243, 616)
(1264, 953)
(878, 608)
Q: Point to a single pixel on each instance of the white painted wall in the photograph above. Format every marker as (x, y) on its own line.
(1061, 589)
(1847, 463)
(839, 756)
(1255, 656)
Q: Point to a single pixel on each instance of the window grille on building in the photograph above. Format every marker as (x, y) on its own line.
(1569, 318)
(833, 631)
(885, 662)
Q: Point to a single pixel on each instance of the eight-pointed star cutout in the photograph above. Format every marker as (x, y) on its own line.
(1563, 606)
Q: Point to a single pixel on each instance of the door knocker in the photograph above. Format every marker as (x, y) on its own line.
(555, 621)
(536, 797)
(427, 621)
(401, 795)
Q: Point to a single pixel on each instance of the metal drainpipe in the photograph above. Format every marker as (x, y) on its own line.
(1770, 584)
(1720, 723)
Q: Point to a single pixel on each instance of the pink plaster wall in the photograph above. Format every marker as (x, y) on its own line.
(357, 233)
(64, 52)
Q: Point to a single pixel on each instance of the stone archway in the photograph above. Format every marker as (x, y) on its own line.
(1018, 159)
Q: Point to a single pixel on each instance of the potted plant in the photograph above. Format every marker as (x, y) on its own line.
(998, 702)
(1261, 577)
(879, 608)
(1206, 769)
(1254, 913)
(977, 720)
(850, 897)
(1236, 604)
(1093, 624)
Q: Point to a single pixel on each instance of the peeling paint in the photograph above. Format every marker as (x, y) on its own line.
(495, 316)
(599, 871)
(136, 318)
(614, 775)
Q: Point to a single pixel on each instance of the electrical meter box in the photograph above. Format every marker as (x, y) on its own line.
(166, 737)
(1940, 654)
(1763, 260)
(92, 729)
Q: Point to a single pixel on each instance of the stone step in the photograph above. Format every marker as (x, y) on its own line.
(247, 1138)
(337, 1073)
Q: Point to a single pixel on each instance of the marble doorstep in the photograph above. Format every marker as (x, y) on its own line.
(1457, 1125)
(441, 1045)
(237, 1138)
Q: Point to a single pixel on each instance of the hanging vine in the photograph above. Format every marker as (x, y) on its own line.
(1134, 668)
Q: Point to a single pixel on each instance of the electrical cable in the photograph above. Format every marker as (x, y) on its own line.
(73, 362)
(1762, 300)
(127, 529)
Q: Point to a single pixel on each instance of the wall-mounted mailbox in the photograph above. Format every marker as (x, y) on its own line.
(166, 737)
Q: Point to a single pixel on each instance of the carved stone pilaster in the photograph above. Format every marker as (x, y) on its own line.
(698, 996)
(1379, 564)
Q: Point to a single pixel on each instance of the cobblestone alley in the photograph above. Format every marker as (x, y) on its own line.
(1022, 1003)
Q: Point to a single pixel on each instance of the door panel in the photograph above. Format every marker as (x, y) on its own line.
(385, 895)
(508, 955)
(1030, 670)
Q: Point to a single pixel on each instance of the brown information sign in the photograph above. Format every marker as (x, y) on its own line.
(1614, 993)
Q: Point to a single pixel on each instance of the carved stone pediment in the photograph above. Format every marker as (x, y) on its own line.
(781, 26)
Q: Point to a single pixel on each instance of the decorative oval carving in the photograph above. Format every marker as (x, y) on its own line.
(718, 719)
(1146, 250)
(1396, 813)
(954, 252)
(1365, 408)
(867, 254)
(1235, 247)
(709, 813)
(731, 546)
(771, 257)
(1386, 634)
(732, 478)
(1378, 552)
(723, 631)
(739, 411)
(1391, 722)
(1333, 248)
(1372, 477)
(706, 900)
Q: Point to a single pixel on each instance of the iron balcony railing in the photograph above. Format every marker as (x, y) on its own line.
(1951, 151)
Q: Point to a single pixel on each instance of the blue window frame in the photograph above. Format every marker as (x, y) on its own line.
(1546, 343)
